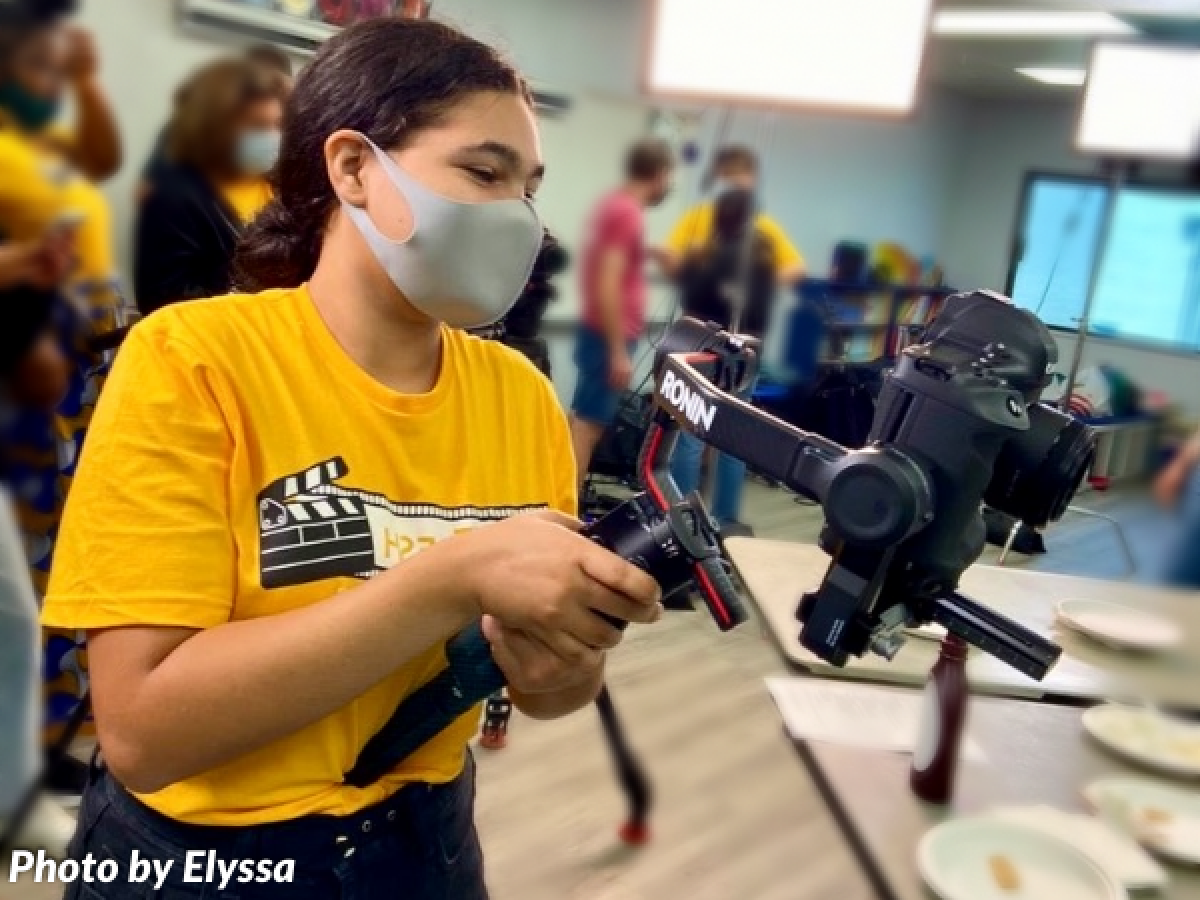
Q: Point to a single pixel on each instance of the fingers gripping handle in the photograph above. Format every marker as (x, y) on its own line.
(635, 531)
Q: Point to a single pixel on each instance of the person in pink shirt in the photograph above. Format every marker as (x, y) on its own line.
(614, 294)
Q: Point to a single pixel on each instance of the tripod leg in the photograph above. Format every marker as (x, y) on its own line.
(629, 772)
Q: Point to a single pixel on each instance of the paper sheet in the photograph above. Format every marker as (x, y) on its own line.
(853, 714)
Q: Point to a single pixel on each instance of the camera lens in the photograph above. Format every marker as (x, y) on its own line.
(1039, 470)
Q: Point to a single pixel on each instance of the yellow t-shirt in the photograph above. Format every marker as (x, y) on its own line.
(39, 187)
(695, 229)
(241, 465)
(247, 197)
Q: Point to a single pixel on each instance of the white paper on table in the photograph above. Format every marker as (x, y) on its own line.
(854, 714)
(1118, 854)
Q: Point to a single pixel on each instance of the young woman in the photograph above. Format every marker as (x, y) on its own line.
(222, 140)
(256, 459)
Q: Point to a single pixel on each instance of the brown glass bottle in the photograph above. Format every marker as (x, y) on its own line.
(943, 715)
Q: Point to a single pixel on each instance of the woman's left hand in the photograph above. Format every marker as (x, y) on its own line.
(542, 684)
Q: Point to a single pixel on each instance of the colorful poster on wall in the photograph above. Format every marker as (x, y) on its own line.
(337, 13)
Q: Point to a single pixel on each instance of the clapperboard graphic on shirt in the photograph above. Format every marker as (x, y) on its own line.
(312, 527)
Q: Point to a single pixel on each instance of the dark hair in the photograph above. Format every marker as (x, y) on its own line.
(387, 78)
(736, 156)
(648, 159)
(35, 13)
(201, 132)
(21, 20)
(270, 56)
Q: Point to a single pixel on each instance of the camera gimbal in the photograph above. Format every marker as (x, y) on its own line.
(958, 422)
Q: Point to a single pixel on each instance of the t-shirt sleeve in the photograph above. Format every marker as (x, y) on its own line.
(619, 226)
(786, 255)
(146, 537)
(565, 483)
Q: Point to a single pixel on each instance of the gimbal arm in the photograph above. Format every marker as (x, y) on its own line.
(874, 499)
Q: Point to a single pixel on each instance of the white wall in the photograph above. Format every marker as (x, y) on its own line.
(1001, 142)
(828, 178)
(946, 182)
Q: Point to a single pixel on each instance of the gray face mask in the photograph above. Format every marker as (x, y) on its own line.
(464, 264)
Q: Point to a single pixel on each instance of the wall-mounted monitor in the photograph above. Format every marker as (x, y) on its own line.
(860, 56)
(1142, 101)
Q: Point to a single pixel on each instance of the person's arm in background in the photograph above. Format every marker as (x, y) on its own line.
(1171, 481)
(614, 260)
(789, 263)
(96, 146)
(42, 264)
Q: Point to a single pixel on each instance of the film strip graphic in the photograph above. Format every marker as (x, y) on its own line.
(312, 529)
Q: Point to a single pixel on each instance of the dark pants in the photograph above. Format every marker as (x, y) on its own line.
(419, 845)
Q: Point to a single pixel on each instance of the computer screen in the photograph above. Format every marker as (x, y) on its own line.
(1148, 286)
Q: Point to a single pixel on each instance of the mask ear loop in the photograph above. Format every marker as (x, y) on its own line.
(401, 183)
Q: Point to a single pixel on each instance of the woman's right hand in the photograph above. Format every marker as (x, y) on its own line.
(534, 573)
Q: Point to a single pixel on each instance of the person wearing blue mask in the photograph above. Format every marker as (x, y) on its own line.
(292, 499)
(222, 141)
(269, 56)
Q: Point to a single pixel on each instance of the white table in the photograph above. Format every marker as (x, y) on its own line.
(1037, 753)
(777, 573)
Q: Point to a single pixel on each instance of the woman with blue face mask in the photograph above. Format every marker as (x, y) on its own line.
(292, 498)
(221, 142)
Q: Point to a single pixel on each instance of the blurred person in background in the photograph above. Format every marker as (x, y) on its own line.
(222, 141)
(706, 256)
(269, 56)
(1178, 488)
(49, 200)
(735, 166)
(614, 295)
(33, 376)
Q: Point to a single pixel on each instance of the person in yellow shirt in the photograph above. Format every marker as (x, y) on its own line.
(222, 141)
(737, 167)
(49, 198)
(290, 500)
(694, 239)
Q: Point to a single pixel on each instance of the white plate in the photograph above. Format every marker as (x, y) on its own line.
(1107, 843)
(1120, 626)
(956, 860)
(1150, 738)
(1165, 818)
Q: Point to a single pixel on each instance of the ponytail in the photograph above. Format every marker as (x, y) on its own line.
(277, 250)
